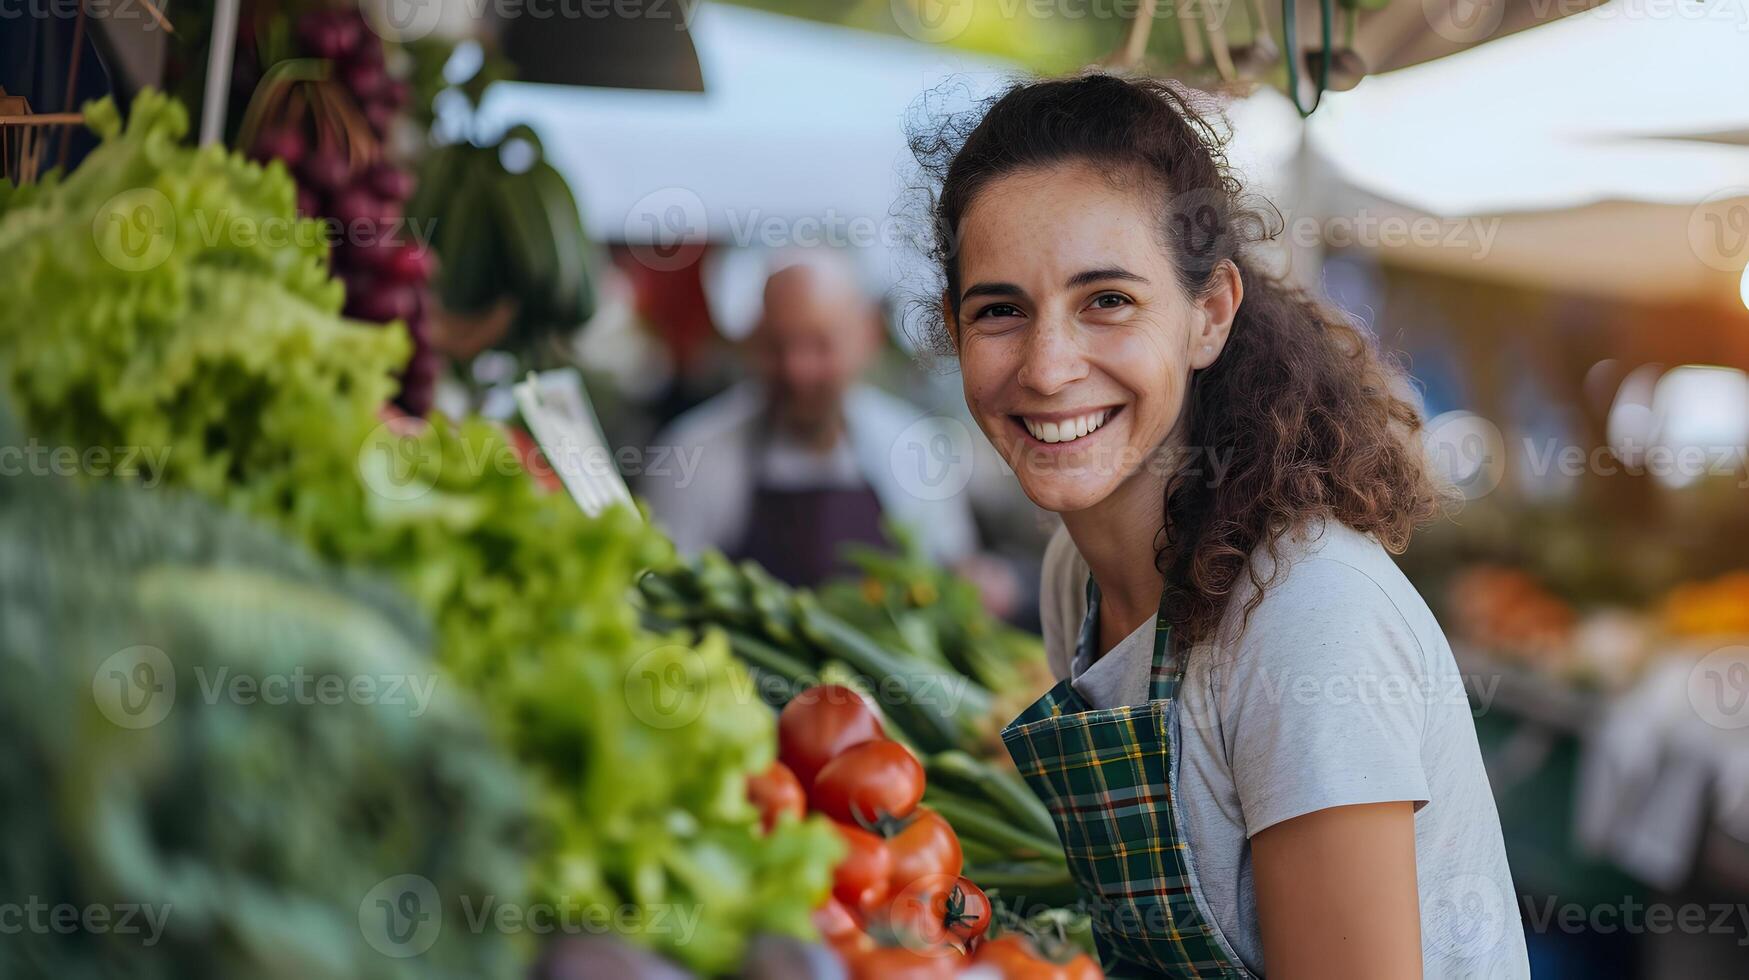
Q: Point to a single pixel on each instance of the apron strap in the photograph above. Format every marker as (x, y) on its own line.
(1165, 671)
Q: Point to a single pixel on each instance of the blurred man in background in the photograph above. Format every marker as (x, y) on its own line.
(794, 463)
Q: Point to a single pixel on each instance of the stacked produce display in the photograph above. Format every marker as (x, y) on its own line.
(148, 311)
(929, 708)
(326, 106)
(905, 601)
(1508, 614)
(900, 906)
(625, 755)
(229, 836)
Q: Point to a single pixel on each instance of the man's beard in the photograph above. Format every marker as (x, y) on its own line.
(816, 427)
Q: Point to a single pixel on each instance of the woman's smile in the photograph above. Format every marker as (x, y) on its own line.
(1060, 429)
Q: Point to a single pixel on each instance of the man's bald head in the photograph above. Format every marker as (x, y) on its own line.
(818, 332)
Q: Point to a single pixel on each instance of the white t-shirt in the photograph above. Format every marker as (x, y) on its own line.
(1341, 689)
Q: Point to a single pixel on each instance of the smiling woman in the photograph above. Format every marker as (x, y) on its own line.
(1233, 462)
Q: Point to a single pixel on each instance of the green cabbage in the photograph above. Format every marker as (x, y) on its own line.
(225, 836)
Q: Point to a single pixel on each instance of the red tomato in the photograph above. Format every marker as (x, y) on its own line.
(900, 963)
(940, 910)
(776, 791)
(968, 911)
(869, 781)
(917, 914)
(1082, 967)
(821, 722)
(860, 880)
(840, 929)
(1012, 957)
(924, 846)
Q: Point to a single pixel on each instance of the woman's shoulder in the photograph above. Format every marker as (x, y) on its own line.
(1304, 562)
(1327, 588)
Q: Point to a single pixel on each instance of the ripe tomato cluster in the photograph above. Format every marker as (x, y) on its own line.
(899, 906)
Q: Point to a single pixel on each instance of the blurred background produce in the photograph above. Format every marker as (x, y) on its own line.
(323, 463)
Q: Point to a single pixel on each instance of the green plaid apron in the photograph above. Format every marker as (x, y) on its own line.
(1107, 777)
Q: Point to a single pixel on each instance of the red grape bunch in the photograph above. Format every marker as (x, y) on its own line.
(376, 252)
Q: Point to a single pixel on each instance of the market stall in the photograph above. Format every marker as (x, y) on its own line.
(514, 732)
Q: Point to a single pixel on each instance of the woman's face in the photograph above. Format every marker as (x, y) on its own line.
(1076, 341)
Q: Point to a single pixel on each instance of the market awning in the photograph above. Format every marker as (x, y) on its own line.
(1591, 140)
(799, 137)
(798, 120)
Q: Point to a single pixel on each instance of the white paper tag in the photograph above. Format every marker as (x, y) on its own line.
(556, 408)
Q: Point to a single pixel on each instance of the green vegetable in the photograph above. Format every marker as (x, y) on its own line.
(1026, 884)
(223, 830)
(974, 821)
(507, 236)
(907, 602)
(222, 356)
(962, 774)
(787, 632)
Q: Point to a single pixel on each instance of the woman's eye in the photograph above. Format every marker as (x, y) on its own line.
(999, 310)
(1110, 301)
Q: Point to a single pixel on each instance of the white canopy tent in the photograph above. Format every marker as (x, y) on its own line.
(1574, 154)
(799, 138)
(1606, 149)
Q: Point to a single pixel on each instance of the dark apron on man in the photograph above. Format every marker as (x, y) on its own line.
(797, 533)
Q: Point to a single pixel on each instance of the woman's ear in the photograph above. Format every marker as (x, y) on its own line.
(1219, 304)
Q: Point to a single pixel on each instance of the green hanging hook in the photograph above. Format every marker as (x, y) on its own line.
(1291, 45)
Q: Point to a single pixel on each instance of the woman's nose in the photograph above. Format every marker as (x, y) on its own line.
(1053, 357)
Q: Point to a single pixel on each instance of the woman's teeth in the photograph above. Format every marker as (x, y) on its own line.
(1066, 430)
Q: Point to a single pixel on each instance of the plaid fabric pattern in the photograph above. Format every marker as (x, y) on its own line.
(1105, 775)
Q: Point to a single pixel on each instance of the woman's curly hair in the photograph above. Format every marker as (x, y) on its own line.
(1316, 421)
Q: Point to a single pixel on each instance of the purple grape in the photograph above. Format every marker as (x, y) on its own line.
(407, 263)
(329, 33)
(381, 117)
(398, 93)
(383, 303)
(280, 143)
(389, 182)
(325, 170)
(309, 203)
(364, 82)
